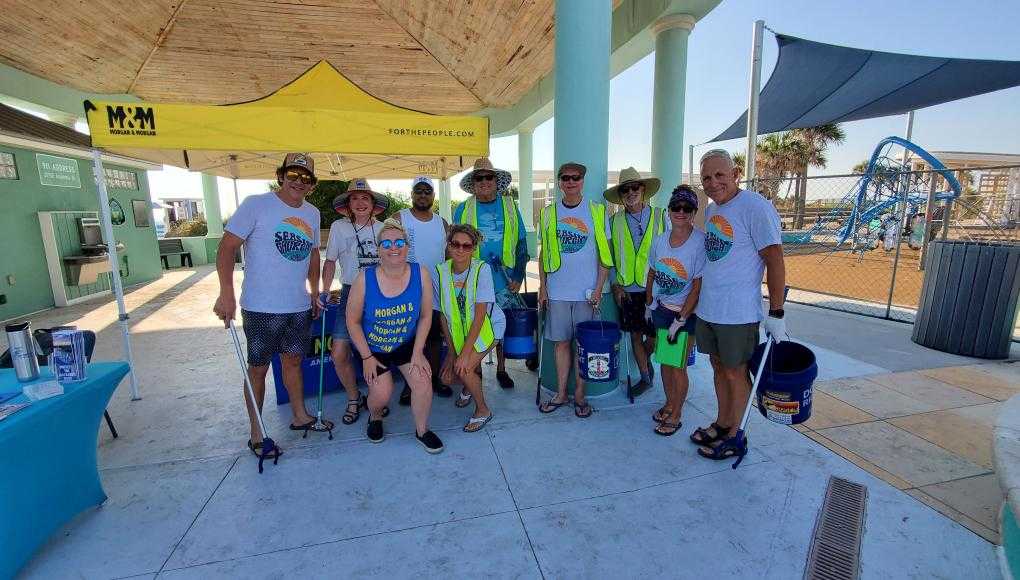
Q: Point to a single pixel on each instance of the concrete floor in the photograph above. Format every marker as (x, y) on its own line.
(530, 496)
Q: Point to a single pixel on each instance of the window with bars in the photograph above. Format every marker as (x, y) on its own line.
(8, 170)
(118, 179)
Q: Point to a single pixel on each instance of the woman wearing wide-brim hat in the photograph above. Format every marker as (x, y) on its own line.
(352, 244)
(628, 178)
(633, 229)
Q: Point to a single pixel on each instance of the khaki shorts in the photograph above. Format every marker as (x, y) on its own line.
(562, 318)
(732, 343)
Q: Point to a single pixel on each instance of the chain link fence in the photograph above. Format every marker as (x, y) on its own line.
(863, 252)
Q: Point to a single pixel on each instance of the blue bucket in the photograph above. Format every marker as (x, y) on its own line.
(784, 391)
(598, 350)
(519, 338)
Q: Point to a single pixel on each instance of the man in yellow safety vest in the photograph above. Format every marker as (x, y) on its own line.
(573, 266)
(632, 230)
(504, 247)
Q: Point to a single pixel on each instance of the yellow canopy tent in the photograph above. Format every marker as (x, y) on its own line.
(350, 132)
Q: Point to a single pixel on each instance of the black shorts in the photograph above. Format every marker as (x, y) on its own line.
(435, 335)
(269, 333)
(396, 357)
(632, 314)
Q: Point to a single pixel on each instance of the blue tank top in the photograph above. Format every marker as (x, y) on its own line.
(390, 322)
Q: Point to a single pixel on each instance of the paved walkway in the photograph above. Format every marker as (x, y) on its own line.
(531, 496)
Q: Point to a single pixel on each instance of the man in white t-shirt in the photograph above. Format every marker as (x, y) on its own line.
(280, 235)
(573, 267)
(743, 241)
(426, 234)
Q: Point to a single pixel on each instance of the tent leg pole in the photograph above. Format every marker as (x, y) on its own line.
(111, 253)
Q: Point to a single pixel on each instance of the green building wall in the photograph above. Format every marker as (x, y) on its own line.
(22, 257)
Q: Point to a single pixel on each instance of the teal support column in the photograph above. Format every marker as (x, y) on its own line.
(671, 32)
(581, 109)
(213, 219)
(526, 185)
(581, 129)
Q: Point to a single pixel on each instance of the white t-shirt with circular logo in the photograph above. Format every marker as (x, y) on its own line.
(278, 240)
(674, 269)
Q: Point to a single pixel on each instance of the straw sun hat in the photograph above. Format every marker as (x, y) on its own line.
(631, 175)
(467, 183)
(360, 185)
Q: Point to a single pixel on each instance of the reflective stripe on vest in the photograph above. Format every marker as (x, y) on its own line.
(510, 226)
(460, 324)
(631, 269)
(551, 243)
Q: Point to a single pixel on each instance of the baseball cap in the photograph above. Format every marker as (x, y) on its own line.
(425, 180)
(684, 194)
(302, 160)
(572, 165)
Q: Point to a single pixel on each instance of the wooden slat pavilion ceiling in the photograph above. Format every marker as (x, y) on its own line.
(437, 56)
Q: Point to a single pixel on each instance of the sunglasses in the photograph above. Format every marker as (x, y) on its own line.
(571, 178)
(677, 207)
(486, 177)
(299, 176)
(625, 189)
(397, 243)
(459, 246)
(421, 191)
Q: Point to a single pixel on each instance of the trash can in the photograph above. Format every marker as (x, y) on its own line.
(968, 300)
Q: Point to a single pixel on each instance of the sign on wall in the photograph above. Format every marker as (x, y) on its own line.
(58, 171)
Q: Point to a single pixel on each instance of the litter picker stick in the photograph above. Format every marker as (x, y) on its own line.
(741, 431)
(319, 425)
(268, 446)
(541, 347)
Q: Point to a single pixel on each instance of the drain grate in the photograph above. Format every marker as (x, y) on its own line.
(836, 543)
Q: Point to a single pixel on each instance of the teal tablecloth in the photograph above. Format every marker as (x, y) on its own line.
(48, 471)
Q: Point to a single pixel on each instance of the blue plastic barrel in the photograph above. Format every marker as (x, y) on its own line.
(519, 338)
(784, 391)
(598, 350)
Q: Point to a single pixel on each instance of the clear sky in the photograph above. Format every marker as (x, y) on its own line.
(717, 73)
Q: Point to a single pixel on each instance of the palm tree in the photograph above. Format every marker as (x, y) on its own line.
(814, 141)
(778, 155)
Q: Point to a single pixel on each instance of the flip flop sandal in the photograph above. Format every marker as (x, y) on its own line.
(304, 427)
(463, 400)
(350, 417)
(728, 448)
(667, 429)
(701, 436)
(660, 415)
(550, 406)
(471, 427)
(582, 410)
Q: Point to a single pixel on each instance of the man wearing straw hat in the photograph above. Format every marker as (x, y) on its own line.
(574, 264)
(351, 243)
(505, 247)
(633, 229)
(280, 234)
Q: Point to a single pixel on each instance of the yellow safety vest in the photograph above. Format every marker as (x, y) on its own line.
(460, 323)
(631, 269)
(469, 215)
(551, 242)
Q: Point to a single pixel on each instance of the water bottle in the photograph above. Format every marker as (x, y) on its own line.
(23, 351)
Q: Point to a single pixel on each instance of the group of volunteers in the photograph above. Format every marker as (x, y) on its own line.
(414, 283)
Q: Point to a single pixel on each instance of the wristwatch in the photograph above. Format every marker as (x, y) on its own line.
(777, 313)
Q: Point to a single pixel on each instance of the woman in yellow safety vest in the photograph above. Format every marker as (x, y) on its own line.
(472, 323)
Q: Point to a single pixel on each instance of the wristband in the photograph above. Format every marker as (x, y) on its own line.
(364, 358)
(777, 313)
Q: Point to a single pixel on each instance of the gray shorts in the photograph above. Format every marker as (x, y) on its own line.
(562, 318)
(340, 328)
(732, 343)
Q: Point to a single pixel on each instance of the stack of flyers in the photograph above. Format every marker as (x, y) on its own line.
(7, 410)
(69, 356)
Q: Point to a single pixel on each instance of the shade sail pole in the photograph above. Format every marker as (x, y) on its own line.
(111, 253)
(752, 101)
(690, 165)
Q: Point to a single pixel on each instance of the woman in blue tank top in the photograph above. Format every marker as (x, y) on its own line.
(386, 328)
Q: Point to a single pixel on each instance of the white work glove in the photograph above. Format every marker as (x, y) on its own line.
(675, 328)
(648, 314)
(775, 328)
